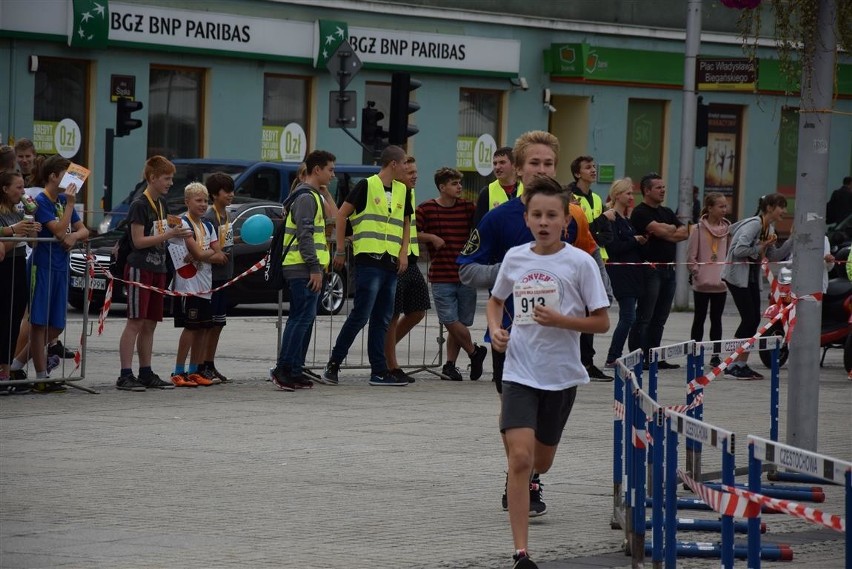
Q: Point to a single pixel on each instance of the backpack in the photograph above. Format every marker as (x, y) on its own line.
(122, 250)
(274, 274)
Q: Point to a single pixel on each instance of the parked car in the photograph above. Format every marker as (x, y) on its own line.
(250, 290)
(266, 181)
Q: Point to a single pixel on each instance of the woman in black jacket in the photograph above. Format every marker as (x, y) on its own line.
(624, 248)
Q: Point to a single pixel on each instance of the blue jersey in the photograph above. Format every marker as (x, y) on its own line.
(501, 229)
(52, 254)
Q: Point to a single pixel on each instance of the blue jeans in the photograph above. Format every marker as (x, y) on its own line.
(653, 309)
(626, 317)
(300, 321)
(371, 283)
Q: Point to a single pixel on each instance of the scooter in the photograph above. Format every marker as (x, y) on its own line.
(836, 331)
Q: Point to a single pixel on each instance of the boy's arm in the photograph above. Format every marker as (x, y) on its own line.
(343, 214)
(402, 260)
(597, 322)
(494, 315)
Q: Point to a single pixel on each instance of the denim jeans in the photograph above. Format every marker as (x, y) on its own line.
(300, 321)
(626, 318)
(371, 283)
(653, 309)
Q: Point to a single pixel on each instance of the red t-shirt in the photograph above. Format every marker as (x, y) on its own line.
(453, 224)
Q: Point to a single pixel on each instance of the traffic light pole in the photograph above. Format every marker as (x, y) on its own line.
(108, 159)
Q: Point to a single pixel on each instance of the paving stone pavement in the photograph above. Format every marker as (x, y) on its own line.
(352, 476)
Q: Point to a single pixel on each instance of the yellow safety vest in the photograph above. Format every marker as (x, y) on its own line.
(294, 257)
(413, 243)
(378, 228)
(497, 195)
(592, 213)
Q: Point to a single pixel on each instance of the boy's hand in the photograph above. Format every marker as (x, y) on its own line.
(315, 282)
(546, 315)
(71, 193)
(438, 243)
(499, 340)
(401, 265)
(178, 232)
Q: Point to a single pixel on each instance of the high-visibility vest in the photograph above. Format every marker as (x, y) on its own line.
(413, 243)
(497, 195)
(593, 212)
(378, 228)
(294, 257)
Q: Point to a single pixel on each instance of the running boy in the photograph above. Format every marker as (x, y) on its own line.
(553, 286)
(193, 259)
(146, 264)
(221, 188)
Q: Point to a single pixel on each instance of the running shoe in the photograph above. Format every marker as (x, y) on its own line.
(129, 383)
(477, 358)
(199, 379)
(182, 380)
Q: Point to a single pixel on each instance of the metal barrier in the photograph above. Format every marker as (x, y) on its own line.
(64, 375)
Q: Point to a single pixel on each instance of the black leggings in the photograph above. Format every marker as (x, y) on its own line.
(716, 302)
(13, 296)
(748, 304)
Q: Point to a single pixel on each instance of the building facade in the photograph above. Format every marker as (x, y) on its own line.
(254, 79)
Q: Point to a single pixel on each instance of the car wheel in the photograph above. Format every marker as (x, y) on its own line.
(333, 293)
(777, 329)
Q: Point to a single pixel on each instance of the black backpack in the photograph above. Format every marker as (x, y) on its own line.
(274, 274)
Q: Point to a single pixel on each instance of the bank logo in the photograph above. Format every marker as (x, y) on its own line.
(89, 26)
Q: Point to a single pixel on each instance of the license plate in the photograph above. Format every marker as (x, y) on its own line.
(94, 284)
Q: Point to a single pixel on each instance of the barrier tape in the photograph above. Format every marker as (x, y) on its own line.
(725, 503)
(831, 521)
(654, 264)
(92, 261)
(638, 437)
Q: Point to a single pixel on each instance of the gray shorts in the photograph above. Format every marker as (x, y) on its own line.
(546, 412)
(454, 302)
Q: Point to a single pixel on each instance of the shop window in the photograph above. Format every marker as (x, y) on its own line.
(60, 121)
(645, 132)
(175, 112)
(286, 101)
(479, 113)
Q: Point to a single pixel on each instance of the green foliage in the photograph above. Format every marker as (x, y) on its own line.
(796, 34)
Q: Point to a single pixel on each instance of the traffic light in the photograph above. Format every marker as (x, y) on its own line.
(701, 124)
(400, 107)
(124, 121)
(372, 135)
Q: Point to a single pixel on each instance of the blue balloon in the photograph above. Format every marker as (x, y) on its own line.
(257, 229)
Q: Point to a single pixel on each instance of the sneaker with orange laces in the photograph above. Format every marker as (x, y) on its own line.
(181, 380)
(199, 379)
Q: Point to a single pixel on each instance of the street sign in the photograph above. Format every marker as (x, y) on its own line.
(344, 64)
(342, 109)
(726, 74)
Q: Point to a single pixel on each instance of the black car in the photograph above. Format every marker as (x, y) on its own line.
(249, 290)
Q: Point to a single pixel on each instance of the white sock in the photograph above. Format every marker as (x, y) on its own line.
(17, 364)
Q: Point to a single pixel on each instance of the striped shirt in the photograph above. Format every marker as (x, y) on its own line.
(453, 224)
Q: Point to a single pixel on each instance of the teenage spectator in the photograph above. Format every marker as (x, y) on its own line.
(542, 348)
(8, 159)
(444, 224)
(306, 260)
(751, 239)
(626, 278)
(839, 207)
(380, 211)
(221, 189)
(501, 190)
(535, 153)
(585, 173)
(146, 265)
(412, 295)
(194, 275)
(708, 245)
(13, 269)
(663, 230)
(49, 268)
(26, 155)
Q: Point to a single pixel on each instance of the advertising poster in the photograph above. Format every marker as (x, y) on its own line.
(721, 163)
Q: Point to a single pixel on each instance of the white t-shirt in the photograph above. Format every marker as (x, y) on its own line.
(538, 356)
(202, 279)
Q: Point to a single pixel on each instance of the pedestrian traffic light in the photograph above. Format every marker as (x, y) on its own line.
(372, 135)
(701, 124)
(401, 106)
(124, 121)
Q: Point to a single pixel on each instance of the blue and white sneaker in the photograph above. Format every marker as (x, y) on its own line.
(387, 379)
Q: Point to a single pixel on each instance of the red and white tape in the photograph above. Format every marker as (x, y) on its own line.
(725, 503)
(831, 521)
(639, 437)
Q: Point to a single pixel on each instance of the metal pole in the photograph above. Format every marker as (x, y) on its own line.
(809, 227)
(687, 145)
(108, 158)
